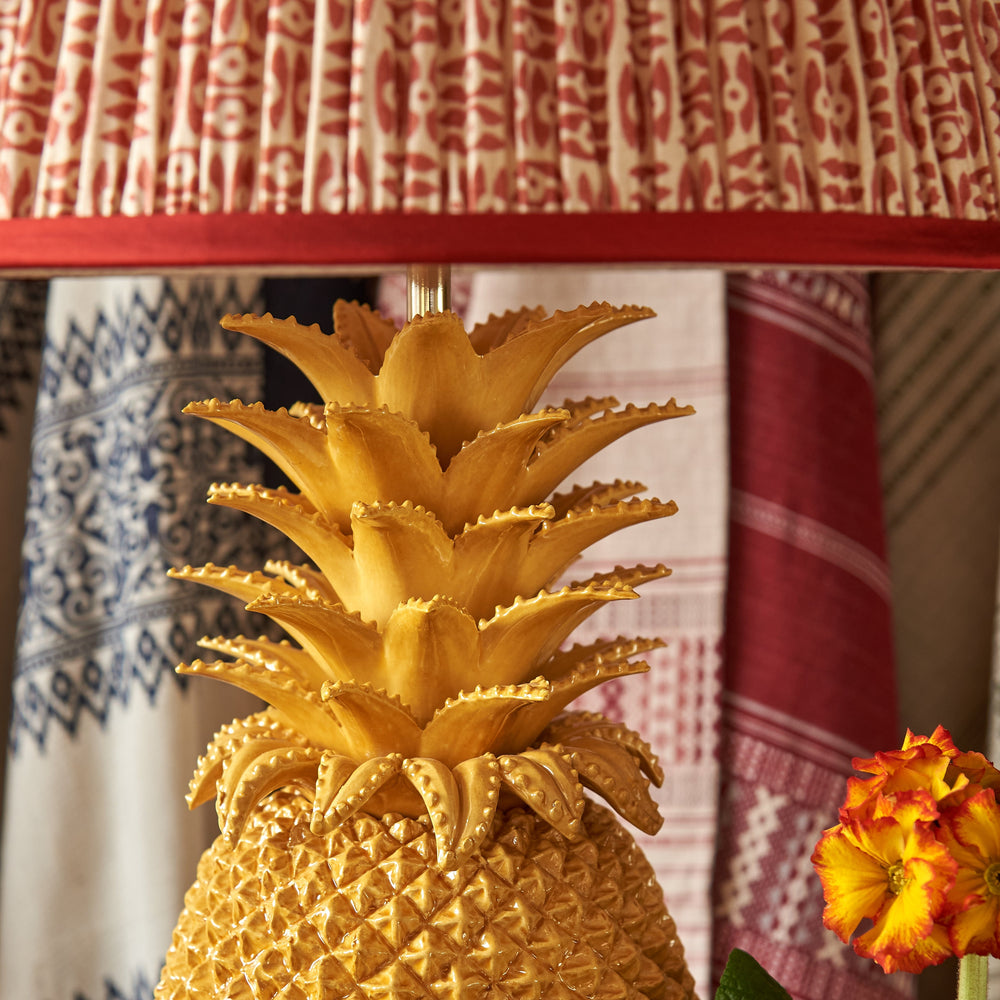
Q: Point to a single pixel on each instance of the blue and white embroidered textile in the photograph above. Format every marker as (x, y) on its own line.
(98, 845)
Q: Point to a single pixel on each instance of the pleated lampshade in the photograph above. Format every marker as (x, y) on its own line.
(290, 134)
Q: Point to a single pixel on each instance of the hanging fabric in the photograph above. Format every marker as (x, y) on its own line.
(809, 673)
(98, 845)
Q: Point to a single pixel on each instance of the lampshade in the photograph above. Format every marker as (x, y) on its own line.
(296, 135)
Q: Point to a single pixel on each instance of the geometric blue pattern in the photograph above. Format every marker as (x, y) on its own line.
(117, 495)
(141, 988)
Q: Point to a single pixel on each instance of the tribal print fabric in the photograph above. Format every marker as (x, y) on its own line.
(179, 106)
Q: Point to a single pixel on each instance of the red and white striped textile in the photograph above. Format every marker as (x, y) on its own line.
(809, 676)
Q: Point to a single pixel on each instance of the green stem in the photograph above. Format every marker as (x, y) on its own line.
(973, 977)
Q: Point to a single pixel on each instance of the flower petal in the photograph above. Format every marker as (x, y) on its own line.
(855, 883)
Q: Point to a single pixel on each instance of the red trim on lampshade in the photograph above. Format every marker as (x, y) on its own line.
(273, 243)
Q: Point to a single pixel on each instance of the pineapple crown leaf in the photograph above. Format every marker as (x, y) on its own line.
(497, 329)
(567, 446)
(247, 585)
(363, 783)
(546, 780)
(422, 507)
(582, 409)
(478, 780)
(460, 802)
(564, 661)
(260, 726)
(302, 577)
(297, 704)
(363, 330)
(332, 774)
(277, 657)
(533, 512)
(312, 412)
(253, 494)
(293, 443)
(610, 770)
(334, 369)
(268, 770)
(629, 576)
(572, 726)
(474, 722)
(374, 722)
(597, 494)
(557, 544)
(533, 720)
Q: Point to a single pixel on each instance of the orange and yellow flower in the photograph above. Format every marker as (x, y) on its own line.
(916, 853)
(971, 833)
(917, 767)
(889, 868)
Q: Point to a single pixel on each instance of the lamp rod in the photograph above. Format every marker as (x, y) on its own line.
(428, 289)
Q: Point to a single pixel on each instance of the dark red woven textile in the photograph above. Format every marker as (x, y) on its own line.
(809, 673)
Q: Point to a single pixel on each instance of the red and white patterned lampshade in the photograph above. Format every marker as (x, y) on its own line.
(285, 133)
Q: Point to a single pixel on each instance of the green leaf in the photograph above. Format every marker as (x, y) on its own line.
(744, 979)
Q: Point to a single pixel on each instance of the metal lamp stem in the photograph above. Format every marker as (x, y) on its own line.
(428, 289)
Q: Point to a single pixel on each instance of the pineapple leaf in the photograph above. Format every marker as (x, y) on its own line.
(444, 389)
(546, 781)
(609, 769)
(533, 720)
(334, 771)
(346, 646)
(497, 330)
(301, 576)
(363, 330)
(520, 369)
(575, 724)
(488, 555)
(475, 721)
(430, 648)
(568, 447)
(486, 475)
(526, 633)
(334, 370)
(311, 530)
(582, 498)
(279, 657)
(478, 780)
(376, 455)
(581, 409)
(247, 586)
(262, 728)
(301, 708)
(566, 661)
(252, 775)
(400, 551)
(628, 576)
(366, 780)
(375, 723)
(294, 444)
(436, 785)
(557, 544)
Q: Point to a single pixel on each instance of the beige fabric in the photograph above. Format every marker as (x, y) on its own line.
(938, 385)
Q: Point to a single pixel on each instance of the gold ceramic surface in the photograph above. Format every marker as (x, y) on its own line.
(427, 678)
(365, 912)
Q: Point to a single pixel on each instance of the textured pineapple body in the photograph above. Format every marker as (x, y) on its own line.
(365, 912)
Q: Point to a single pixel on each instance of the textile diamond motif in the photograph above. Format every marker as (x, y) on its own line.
(112, 504)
